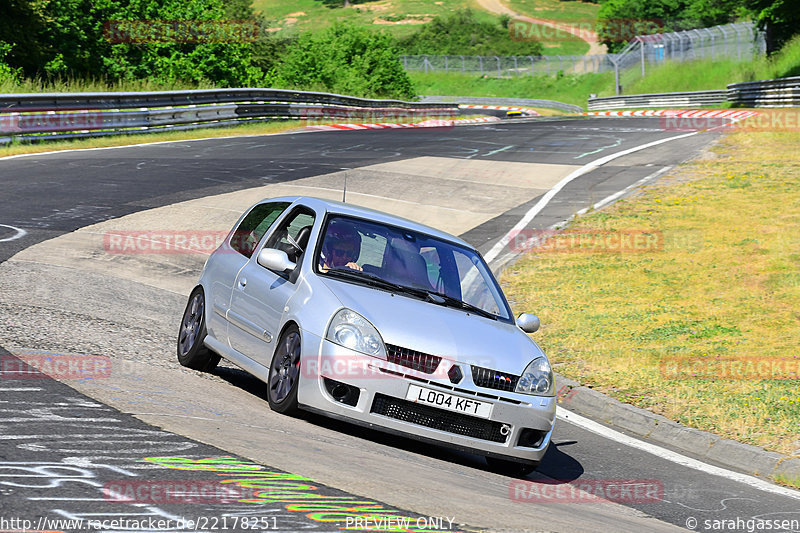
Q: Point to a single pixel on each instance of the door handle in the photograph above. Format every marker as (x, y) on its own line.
(243, 283)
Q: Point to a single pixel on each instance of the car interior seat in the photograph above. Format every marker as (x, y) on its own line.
(405, 265)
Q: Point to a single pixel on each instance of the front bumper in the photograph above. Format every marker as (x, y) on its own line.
(519, 426)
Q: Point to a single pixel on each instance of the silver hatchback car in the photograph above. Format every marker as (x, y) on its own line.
(377, 320)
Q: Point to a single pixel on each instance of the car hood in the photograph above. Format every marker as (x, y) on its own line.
(438, 330)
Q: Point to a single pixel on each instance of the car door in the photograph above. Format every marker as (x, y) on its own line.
(260, 295)
(224, 266)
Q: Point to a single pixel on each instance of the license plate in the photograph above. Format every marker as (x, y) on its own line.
(443, 400)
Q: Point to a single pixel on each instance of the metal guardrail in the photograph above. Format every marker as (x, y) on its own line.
(780, 92)
(69, 115)
(520, 102)
(685, 99)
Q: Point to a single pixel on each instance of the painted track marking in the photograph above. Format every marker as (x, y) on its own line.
(669, 455)
(18, 235)
(492, 254)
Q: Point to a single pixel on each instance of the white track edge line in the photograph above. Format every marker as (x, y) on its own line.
(669, 455)
(544, 200)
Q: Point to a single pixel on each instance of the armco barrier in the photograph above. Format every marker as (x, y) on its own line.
(780, 92)
(519, 102)
(633, 101)
(69, 115)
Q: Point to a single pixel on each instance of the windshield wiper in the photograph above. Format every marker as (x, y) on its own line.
(450, 301)
(376, 281)
(430, 296)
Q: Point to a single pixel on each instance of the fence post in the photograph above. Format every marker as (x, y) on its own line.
(738, 42)
(532, 66)
(725, 41)
(713, 54)
(516, 69)
(480, 62)
(641, 47)
(445, 64)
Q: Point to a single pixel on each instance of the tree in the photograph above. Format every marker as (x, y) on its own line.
(461, 33)
(345, 58)
(780, 19)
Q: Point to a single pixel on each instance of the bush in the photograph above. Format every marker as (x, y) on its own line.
(348, 59)
(8, 75)
(461, 33)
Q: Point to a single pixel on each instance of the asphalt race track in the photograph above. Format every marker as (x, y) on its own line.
(63, 448)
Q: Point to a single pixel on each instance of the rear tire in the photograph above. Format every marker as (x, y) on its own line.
(284, 373)
(510, 468)
(192, 353)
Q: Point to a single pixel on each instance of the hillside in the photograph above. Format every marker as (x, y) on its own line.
(404, 17)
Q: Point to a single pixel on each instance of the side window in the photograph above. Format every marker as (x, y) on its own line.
(253, 226)
(293, 233)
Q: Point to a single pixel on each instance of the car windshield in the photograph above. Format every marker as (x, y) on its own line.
(407, 261)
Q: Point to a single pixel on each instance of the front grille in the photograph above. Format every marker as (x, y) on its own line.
(493, 379)
(411, 359)
(431, 417)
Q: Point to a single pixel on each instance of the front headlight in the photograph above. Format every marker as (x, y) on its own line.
(351, 330)
(537, 378)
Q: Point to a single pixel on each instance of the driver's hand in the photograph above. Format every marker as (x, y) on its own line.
(354, 266)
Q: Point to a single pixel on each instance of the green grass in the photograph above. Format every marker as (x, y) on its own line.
(707, 74)
(569, 11)
(88, 85)
(570, 89)
(720, 287)
(257, 128)
(401, 17)
(576, 88)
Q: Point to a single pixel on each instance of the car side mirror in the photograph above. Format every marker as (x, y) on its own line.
(528, 323)
(276, 260)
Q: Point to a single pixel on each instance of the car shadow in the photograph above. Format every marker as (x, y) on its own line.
(557, 464)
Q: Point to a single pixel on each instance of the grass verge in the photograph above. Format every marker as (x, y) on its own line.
(260, 128)
(577, 12)
(680, 328)
(570, 89)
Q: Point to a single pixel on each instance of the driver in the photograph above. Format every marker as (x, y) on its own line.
(341, 247)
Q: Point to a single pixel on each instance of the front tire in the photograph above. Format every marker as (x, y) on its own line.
(192, 353)
(284, 373)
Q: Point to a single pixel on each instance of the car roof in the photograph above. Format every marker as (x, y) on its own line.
(341, 208)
